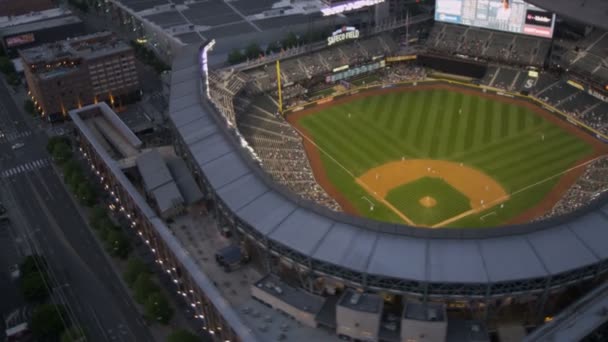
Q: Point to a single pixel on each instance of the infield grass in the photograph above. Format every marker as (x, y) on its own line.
(521, 150)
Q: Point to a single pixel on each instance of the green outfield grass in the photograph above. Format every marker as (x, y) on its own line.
(518, 148)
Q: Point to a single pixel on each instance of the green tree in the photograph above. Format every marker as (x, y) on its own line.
(135, 267)
(118, 244)
(253, 51)
(182, 335)
(13, 79)
(235, 57)
(143, 288)
(6, 66)
(62, 153)
(53, 141)
(32, 264)
(86, 193)
(97, 215)
(157, 308)
(74, 334)
(29, 107)
(291, 40)
(273, 48)
(106, 226)
(70, 168)
(47, 322)
(33, 287)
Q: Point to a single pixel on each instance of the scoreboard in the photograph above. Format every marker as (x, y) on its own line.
(514, 16)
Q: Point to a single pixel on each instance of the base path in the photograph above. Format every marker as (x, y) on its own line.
(564, 183)
(482, 190)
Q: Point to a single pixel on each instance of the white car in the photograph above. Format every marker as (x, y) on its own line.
(17, 146)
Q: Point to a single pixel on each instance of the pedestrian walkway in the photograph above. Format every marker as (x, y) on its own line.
(12, 136)
(26, 167)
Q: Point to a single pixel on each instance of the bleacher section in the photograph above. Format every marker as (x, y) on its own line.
(586, 57)
(489, 45)
(280, 150)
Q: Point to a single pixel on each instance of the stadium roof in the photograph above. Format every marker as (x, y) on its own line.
(306, 230)
(591, 12)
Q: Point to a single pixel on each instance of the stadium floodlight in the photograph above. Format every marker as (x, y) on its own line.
(349, 6)
(204, 64)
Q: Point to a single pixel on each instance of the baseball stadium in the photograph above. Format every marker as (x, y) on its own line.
(434, 170)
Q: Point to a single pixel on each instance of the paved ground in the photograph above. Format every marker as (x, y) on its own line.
(41, 209)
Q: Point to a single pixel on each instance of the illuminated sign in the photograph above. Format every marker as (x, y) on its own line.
(533, 73)
(340, 68)
(20, 40)
(575, 85)
(597, 94)
(355, 71)
(345, 33)
(515, 16)
(203, 60)
(400, 58)
(349, 6)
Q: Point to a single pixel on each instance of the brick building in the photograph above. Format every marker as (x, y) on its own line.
(76, 72)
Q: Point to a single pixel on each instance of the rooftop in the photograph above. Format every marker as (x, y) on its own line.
(27, 27)
(293, 296)
(430, 312)
(82, 47)
(365, 302)
(8, 21)
(466, 331)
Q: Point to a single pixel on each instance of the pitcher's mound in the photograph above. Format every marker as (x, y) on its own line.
(427, 202)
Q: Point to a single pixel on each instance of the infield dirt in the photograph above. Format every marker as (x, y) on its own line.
(565, 182)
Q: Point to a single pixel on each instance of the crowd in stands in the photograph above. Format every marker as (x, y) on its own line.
(323, 61)
(587, 188)
(554, 91)
(586, 57)
(488, 45)
(403, 72)
(280, 149)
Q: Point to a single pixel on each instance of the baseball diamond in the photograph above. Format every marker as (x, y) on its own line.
(482, 160)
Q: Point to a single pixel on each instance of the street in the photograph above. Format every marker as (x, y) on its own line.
(43, 214)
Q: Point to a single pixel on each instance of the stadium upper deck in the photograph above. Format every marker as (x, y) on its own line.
(457, 263)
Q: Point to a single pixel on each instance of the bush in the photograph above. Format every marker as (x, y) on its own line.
(135, 267)
(157, 308)
(97, 215)
(253, 51)
(47, 322)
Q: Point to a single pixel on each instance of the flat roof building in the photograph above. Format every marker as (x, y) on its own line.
(424, 322)
(33, 29)
(75, 72)
(358, 315)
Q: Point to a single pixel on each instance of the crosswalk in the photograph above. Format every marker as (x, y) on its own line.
(26, 167)
(12, 136)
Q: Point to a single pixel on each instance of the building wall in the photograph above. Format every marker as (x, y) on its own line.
(106, 78)
(205, 312)
(301, 316)
(18, 7)
(356, 324)
(424, 331)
